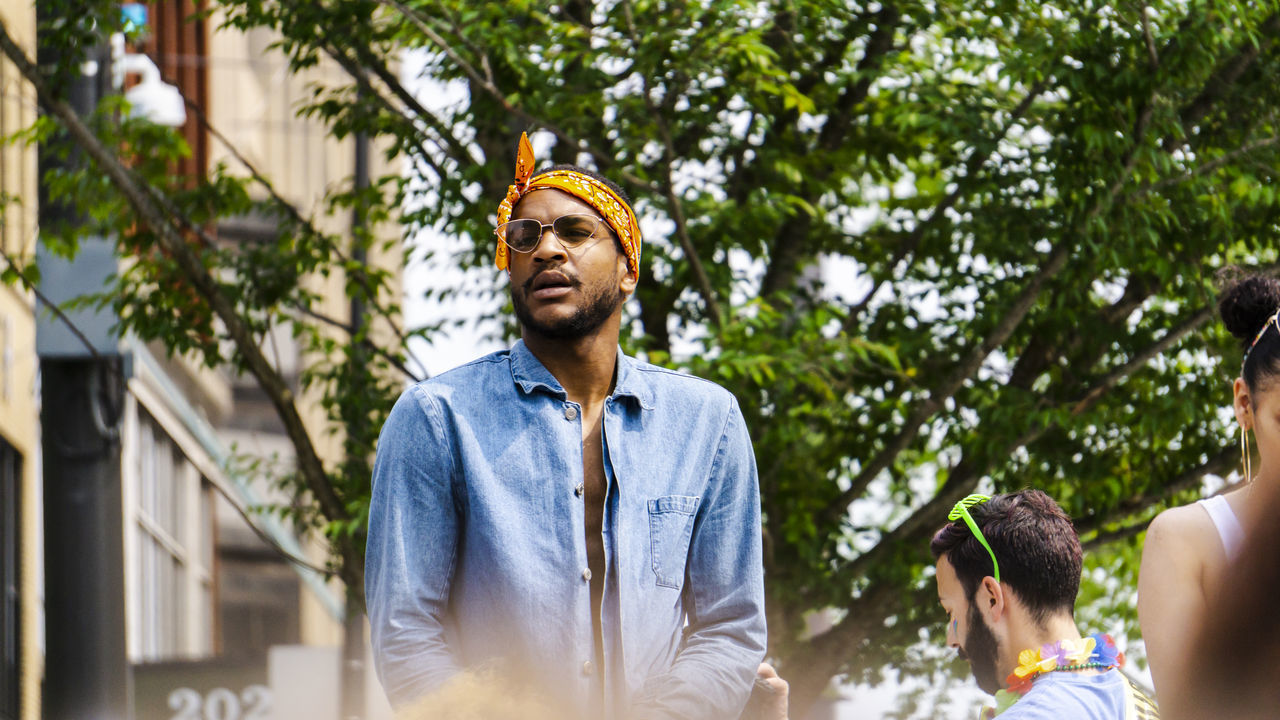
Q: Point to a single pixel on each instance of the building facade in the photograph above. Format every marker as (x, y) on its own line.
(20, 558)
(213, 587)
(248, 598)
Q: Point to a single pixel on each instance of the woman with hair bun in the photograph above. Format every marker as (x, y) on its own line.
(1189, 548)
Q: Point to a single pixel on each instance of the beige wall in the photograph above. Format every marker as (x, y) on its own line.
(19, 421)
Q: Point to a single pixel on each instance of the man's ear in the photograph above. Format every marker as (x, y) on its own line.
(629, 278)
(991, 599)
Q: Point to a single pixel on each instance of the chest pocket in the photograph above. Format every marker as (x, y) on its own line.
(670, 528)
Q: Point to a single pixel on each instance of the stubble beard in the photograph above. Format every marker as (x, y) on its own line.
(981, 650)
(601, 304)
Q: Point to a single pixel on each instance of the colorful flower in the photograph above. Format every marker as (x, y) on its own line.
(1018, 684)
(1057, 652)
(1033, 661)
(1004, 700)
(1106, 653)
(1098, 649)
(1079, 654)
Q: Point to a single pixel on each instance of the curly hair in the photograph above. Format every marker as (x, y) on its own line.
(1246, 305)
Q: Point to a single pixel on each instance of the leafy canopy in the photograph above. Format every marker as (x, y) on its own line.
(931, 247)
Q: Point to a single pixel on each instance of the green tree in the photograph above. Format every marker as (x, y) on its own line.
(933, 248)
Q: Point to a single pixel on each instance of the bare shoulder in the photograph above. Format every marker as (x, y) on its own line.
(1180, 534)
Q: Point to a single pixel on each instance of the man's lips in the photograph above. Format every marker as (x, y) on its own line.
(549, 284)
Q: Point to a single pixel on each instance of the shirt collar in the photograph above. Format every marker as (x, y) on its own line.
(631, 383)
(530, 375)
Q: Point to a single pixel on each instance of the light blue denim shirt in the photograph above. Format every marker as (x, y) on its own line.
(477, 547)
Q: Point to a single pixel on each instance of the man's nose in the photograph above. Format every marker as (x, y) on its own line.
(549, 246)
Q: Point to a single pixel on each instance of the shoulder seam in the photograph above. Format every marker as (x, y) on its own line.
(647, 367)
(431, 411)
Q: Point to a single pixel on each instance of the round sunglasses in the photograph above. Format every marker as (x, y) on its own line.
(524, 235)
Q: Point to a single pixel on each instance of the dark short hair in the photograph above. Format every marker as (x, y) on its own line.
(1034, 542)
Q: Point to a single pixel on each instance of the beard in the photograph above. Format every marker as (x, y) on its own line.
(601, 302)
(980, 649)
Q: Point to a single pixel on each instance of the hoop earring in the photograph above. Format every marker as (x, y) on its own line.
(1246, 460)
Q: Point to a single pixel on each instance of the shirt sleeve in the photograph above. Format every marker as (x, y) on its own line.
(724, 641)
(411, 550)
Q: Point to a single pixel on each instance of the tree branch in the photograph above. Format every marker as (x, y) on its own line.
(878, 46)
(969, 365)
(93, 352)
(1218, 464)
(1146, 35)
(1171, 338)
(677, 207)
(151, 209)
(297, 217)
(457, 30)
(977, 159)
(53, 307)
(357, 73)
(965, 476)
(1222, 80)
(369, 60)
(1208, 167)
(787, 249)
(825, 654)
(1141, 124)
(265, 537)
(366, 344)
(1004, 328)
(492, 90)
(964, 479)
(1046, 348)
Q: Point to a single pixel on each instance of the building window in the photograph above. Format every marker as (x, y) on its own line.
(10, 479)
(173, 617)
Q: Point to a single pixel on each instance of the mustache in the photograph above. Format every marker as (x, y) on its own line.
(573, 279)
(963, 656)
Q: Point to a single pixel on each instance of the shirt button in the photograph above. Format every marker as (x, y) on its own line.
(578, 490)
(588, 667)
(586, 574)
(570, 412)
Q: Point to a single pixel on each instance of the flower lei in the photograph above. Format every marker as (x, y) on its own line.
(1098, 651)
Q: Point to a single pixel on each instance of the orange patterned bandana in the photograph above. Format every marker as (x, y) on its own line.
(585, 188)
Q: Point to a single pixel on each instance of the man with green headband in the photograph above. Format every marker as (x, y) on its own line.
(1008, 571)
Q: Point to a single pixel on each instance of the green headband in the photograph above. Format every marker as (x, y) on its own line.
(961, 512)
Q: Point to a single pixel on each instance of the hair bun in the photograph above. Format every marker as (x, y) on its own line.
(1247, 303)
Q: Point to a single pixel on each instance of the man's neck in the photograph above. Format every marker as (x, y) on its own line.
(584, 367)
(1028, 635)
(1058, 627)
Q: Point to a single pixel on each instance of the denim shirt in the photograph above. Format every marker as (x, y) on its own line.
(477, 551)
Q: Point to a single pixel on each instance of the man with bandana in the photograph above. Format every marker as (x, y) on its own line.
(1008, 571)
(562, 518)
